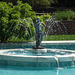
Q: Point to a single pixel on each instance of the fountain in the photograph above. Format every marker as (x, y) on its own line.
(54, 54)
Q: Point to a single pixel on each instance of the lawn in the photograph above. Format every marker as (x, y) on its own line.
(47, 38)
(59, 37)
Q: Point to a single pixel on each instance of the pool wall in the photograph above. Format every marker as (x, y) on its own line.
(39, 61)
(51, 44)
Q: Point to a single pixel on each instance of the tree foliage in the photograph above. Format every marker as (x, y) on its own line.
(10, 15)
(40, 3)
(35, 3)
(46, 3)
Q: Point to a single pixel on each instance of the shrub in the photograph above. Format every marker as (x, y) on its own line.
(65, 15)
(10, 16)
(45, 17)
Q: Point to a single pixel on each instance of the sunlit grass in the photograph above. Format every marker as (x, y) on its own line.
(46, 38)
(59, 37)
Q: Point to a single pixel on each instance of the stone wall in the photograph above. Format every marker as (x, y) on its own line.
(60, 27)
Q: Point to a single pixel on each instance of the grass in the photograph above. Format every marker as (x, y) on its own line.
(59, 37)
(48, 38)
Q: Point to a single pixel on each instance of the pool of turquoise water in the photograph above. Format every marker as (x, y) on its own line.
(11, 70)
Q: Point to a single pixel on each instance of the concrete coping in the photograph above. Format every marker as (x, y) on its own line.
(25, 58)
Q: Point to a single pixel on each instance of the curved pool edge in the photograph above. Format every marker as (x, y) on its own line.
(37, 61)
(41, 61)
(25, 58)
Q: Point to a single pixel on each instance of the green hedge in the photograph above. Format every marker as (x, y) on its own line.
(65, 15)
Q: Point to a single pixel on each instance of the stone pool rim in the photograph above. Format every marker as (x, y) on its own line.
(61, 58)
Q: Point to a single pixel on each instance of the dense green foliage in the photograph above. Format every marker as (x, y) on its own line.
(10, 20)
(65, 15)
(45, 17)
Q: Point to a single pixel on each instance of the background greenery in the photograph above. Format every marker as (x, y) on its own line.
(35, 3)
(18, 21)
(46, 3)
(65, 15)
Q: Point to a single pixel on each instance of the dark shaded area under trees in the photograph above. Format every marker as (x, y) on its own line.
(48, 5)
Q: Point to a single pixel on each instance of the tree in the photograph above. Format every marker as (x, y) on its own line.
(40, 3)
(35, 3)
(66, 3)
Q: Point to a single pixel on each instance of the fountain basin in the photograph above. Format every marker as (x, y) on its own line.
(7, 57)
(37, 58)
(37, 61)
